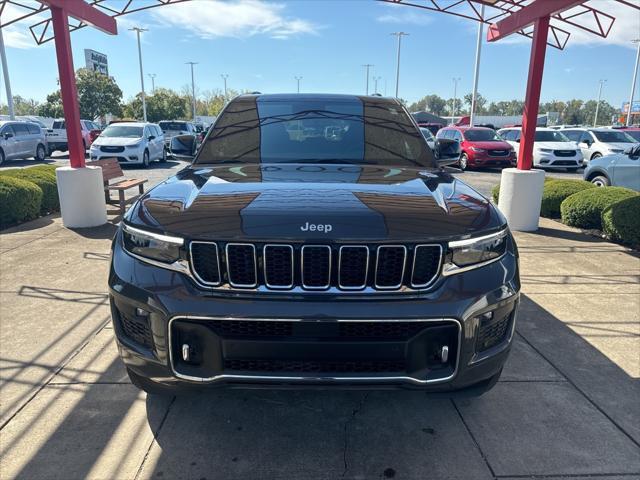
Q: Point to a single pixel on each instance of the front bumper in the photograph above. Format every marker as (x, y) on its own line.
(128, 156)
(552, 161)
(315, 339)
(483, 159)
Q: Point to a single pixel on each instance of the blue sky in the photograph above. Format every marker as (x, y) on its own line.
(262, 45)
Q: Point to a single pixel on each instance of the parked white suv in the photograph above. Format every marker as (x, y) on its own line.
(57, 135)
(598, 142)
(131, 143)
(22, 140)
(551, 148)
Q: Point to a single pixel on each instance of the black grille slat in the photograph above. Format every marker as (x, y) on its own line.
(278, 266)
(316, 266)
(390, 266)
(205, 262)
(426, 265)
(137, 330)
(241, 265)
(315, 366)
(252, 328)
(564, 153)
(498, 153)
(354, 265)
(381, 330)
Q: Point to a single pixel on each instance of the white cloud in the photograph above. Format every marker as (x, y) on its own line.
(242, 18)
(407, 15)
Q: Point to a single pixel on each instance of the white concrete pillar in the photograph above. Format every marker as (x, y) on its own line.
(81, 194)
(520, 198)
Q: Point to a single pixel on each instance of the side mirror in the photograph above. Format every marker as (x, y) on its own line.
(447, 152)
(633, 152)
(517, 140)
(151, 137)
(183, 147)
(8, 135)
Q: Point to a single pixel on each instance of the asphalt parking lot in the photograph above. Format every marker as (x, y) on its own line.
(566, 406)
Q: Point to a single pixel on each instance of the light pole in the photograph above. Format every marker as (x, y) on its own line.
(455, 93)
(595, 117)
(399, 35)
(476, 72)
(5, 73)
(138, 30)
(153, 82)
(193, 88)
(375, 79)
(298, 81)
(633, 81)
(367, 66)
(224, 78)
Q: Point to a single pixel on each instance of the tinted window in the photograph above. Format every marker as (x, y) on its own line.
(20, 129)
(481, 135)
(7, 129)
(58, 124)
(614, 136)
(550, 136)
(122, 131)
(33, 129)
(426, 133)
(573, 135)
(635, 134)
(322, 130)
(174, 126)
(586, 137)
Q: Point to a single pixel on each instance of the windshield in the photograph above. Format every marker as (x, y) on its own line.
(174, 126)
(315, 130)
(613, 136)
(122, 131)
(550, 136)
(481, 135)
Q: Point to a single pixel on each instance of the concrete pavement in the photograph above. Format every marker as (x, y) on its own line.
(567, 403)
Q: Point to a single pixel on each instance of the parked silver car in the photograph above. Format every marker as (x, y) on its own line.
(20, 140)
(618, 170)
(599, 142)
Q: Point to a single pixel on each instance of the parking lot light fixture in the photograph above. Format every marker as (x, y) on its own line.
(224, 77)
(367, 66)
(193, 88)
(399, 35)
(375, 87)
(455, 94)
(298, 82)
(5, 73)
(138, 30)
(153, 82)
(633, 81)
(476, 70)
(595, 117)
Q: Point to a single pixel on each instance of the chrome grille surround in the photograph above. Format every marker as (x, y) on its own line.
(255, 266)
(264, 266)
(404, 263)
(302, 279)
(340, 273)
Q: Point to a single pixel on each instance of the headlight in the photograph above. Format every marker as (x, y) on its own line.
(154, 246)
(464, 255)
(545, 150)
(478, 150)
(616, 150)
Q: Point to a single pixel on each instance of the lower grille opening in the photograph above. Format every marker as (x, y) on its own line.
(136, 329)
(315, 366)
(494, 331)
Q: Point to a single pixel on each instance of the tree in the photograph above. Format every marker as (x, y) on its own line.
(572, 114)
(24, 106)
(480, 103)
(605, 112)
(52, 107)
(430, 103)
(458, 109)
(164, 104)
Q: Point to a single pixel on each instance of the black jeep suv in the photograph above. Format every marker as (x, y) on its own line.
(314, 241)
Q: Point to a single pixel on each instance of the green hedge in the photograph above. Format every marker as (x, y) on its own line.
(584, 209)
(621, 221)
(556, 191)
(44, 177)
(20, 200)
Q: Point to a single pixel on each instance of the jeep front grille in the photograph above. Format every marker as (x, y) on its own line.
(315, 267)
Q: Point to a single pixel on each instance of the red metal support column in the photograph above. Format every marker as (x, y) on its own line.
(68, 89)
(532, 99)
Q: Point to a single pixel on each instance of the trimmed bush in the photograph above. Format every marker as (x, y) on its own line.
(45, 168)
(621, 221)
(584, 209)
(43, 178)
(556, 191)
(19, 200)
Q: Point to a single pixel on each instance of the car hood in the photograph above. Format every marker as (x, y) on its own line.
(557, 145)
(281, 202)
(490, 145)
(620, 145)
(116, 141)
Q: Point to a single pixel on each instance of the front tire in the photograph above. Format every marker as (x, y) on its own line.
(601, 181)
(464, 162)
(163, 159)
(145, 159)
(1, 156)
(41, 153)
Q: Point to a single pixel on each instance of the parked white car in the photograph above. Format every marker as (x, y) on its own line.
(428, 136)
(131, 143)
(171, 128)
(22, 140)
(57, 135)
(551, 148)
(598, 142)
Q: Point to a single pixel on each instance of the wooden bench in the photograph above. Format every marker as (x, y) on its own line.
(111, 170)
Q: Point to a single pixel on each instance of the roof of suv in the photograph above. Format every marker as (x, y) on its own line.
(278, 97)
(465, 127)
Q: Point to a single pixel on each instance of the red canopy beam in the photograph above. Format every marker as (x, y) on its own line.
(537, 13)
(60, 12)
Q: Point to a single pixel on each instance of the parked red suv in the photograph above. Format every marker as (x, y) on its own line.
(480, 147)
